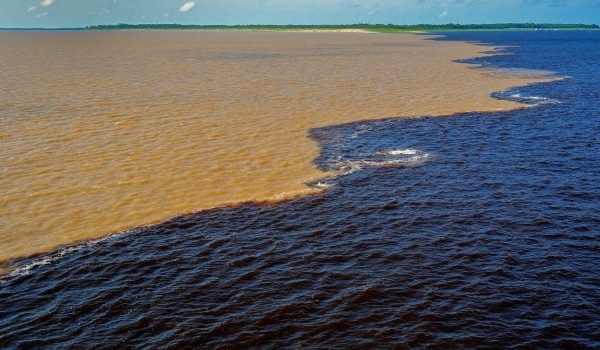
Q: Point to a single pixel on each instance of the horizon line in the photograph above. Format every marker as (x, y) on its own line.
(450, 24)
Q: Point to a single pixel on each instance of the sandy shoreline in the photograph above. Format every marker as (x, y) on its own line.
(205, 119)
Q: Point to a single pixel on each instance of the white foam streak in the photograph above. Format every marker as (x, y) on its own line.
(30, 265)
(408, 151)
(533, 101)
(383, 159)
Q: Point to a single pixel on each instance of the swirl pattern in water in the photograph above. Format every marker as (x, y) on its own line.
(473, 231)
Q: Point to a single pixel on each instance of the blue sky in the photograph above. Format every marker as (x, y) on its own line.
(80, 13)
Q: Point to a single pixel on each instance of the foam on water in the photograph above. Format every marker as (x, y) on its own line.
(381, 159)
(107, 150)
(530, 101)
(492, 243)
(24, 267)
(408, 151)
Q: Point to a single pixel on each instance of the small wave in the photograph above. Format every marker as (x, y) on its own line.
(25, 266)
(322, 185)
(408, 151)
(382, 159)
(363, 129)
(533, 100)
(25, 269)
(530, 101)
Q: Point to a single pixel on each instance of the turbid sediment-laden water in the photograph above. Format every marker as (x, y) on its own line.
(476, 230)
(105, 131)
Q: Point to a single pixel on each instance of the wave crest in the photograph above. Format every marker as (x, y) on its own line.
(381, 159)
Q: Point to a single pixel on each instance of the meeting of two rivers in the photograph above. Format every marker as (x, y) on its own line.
(105, 131)
(230, 189)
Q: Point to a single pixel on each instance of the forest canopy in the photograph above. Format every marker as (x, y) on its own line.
(363, 26)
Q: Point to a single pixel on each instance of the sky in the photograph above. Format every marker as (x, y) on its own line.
(81, 13)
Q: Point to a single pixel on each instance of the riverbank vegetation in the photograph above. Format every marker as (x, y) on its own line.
(381, 28)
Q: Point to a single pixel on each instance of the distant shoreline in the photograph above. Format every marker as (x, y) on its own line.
(361, 27)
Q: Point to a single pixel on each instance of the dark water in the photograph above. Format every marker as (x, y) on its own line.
(473, 231)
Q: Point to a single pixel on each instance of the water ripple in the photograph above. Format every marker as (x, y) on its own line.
(490, 243)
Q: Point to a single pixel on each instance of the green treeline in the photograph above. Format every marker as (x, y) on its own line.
(370, 27)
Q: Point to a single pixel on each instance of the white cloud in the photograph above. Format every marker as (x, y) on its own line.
(31, 9)
(165, 15)
(41, 15)
(187, 6)
(47, 2)
(443, 14)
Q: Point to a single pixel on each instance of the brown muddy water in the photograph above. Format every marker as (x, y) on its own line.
(104, 131)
